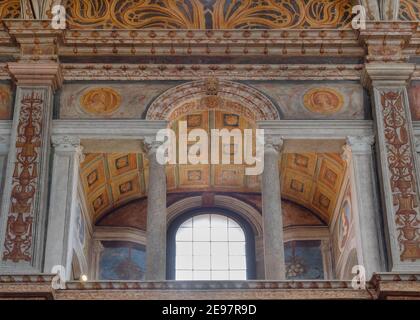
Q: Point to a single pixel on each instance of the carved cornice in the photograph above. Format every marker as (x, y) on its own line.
(211, 42)
(387, 74)
(222, 71)
(381, 286)
(108, 129)
(37, 40)
(360, 144)
(66, 144)
(386, 41)
(36, 74)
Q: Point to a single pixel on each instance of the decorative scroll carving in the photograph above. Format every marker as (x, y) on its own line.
(214, 14)
(18, 240)
(275, 14)
(409, 10)
(136, 14)
(10, 9)
(403, 180)
(237, 98)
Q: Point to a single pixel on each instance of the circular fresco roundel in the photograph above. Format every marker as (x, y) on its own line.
(323, 100)
(100, 101)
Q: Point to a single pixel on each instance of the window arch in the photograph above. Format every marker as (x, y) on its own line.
(210, 244)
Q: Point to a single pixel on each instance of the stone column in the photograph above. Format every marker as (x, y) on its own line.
(397, 165)
(63, 203)
(272, 216)
(367, 207)
(156, 216)
(95, 260)
(25, 197)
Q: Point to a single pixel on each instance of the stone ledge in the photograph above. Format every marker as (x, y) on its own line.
(381, 286)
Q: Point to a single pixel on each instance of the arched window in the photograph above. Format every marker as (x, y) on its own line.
(211, 246)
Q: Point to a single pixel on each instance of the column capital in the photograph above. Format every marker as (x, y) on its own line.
(417, 144)
(359, 144)
(67, 144)
(36, 74)
(386, 40)
(150, 145)
(273, 143)
(378, 74)
(4, 144)
(37, 39)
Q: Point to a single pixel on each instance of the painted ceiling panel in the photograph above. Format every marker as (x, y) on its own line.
(208, 14)
(309, 179)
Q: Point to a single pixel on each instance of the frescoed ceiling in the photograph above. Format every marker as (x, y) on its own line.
(204, 14)
(209, 14)
(112, 180)
(409, 10)
(10, 9)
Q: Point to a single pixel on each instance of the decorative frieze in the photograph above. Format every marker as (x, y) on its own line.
(25, 183)
(24, 204)
(403, 180)
(360, 144)
(398, 165)
(221, 71)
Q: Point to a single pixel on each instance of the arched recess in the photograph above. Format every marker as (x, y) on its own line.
(215, 94)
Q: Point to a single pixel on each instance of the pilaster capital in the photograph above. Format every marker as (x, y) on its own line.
(4, 144)
(386, 40)
(150, 145)
(417, 144)
(97, 247)
(68, 144)
(36, 74)
(379, 74)
(360, 144)
(37, 39)
(273, 143)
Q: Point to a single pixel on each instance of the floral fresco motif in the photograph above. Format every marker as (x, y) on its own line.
(25, 179)
(401, 166)
(303, 260)
(208, 14)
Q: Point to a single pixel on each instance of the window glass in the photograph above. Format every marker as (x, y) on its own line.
(210, 247)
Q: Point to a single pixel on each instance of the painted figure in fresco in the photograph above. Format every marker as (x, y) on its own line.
(323, 100)
(344, 226)
(101, 101)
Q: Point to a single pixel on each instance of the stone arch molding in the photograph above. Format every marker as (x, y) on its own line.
(233, 97)
(247, 212)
